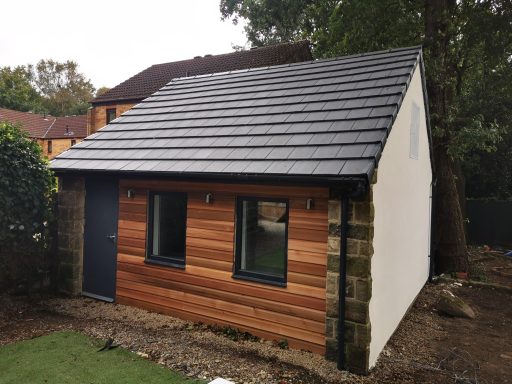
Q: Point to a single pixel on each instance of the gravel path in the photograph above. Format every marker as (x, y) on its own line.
(197, 350)
(414, 354)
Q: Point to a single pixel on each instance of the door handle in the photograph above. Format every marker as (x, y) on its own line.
(112, 237)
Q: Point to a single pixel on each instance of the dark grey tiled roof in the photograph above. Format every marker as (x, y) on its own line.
(326, 118)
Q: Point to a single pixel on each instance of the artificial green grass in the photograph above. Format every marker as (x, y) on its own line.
(70, 357)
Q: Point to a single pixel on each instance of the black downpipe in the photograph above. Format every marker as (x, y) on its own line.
(433, 244)
(342, 282)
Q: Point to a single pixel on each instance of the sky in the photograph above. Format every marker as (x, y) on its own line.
(112, 40)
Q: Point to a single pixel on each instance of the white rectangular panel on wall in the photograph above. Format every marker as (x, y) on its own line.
(415, 129)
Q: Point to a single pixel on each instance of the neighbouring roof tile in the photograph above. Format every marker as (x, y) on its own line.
(38, 126)
(155, 77)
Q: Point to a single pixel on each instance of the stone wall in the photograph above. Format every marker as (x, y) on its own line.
(71, 200)
(358, 286)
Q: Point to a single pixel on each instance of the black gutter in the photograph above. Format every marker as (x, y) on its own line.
(342, 283)
(350, 182)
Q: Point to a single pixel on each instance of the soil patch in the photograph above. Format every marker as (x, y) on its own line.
(490, 266)
(426, 348)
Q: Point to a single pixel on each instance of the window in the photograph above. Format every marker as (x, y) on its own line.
(50, 146)
(73, 142)
(111, 114)
(167, 228)
(261, 240)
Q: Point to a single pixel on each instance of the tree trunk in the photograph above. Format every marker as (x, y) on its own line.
(450, 240)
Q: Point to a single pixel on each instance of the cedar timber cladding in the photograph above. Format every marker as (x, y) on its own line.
(205, 290)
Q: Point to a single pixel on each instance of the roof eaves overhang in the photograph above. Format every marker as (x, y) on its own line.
(352, 185)
(427, 114)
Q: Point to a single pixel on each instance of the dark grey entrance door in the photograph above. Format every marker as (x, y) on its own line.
(100, 237)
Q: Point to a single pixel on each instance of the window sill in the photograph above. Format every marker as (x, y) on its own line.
(165, 263)
(260, 280)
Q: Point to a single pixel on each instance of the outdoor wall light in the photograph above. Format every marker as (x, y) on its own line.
(208, 198)
(131, 194)
(310, 204)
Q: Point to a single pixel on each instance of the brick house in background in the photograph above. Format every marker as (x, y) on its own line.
(124, 96)
(54, 134)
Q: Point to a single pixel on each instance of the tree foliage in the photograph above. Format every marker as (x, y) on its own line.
(17, 91)
(26, 186)
(467, 50)
(101, 90)
(65, 91)
(48, 87)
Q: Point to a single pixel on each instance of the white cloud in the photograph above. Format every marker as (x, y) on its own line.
(113, 40)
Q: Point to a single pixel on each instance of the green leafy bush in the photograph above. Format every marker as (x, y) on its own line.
(26, 189)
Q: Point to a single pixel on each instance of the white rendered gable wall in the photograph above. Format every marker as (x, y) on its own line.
(401, 199)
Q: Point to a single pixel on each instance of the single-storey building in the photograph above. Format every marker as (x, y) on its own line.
(251, 199)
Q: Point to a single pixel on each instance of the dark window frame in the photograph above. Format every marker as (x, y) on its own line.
(50, 146)
(107, 112)
(73, 142)
(171, 261)
(238, 273)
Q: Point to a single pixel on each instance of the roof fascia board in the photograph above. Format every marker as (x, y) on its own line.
(346, 181)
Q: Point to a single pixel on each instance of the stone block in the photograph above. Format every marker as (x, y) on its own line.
(331, 349)
(365, 249)
(331, 328)
(362, 335)
(356, 311)
(331, 283)
(66, 200)
(353, 246)
(358, 266)
(333, 262)
(363, 290)
(350, 288)
(333, 244)
(350, 331)
(334, 210)
(357, 359)
(334, 229)
(66, 256)
(362, 212)
(331, 306)
(65, 271)
(359, 231)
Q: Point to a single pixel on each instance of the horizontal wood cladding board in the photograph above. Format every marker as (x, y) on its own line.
(221, 290)
(293, 343)
(206, 290)
(293, 326)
